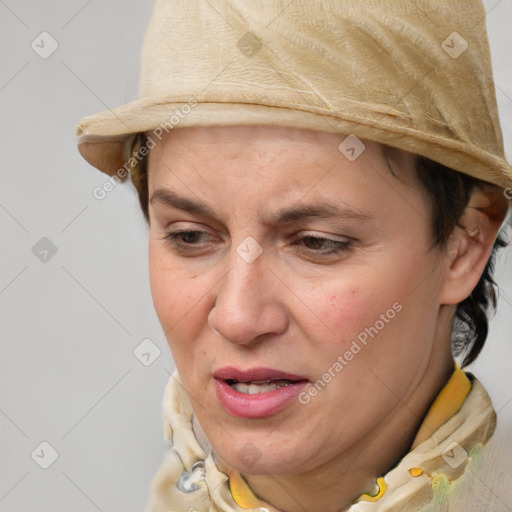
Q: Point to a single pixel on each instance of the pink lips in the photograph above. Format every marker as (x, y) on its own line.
(259, 405)
(254, 374)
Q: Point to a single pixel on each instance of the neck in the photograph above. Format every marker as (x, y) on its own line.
(353, 472)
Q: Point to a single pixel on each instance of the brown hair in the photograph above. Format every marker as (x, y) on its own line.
(449, 192)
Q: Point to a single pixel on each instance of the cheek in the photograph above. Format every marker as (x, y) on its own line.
(174, 295)
(344, 313)
(374, 309)
(340, 312)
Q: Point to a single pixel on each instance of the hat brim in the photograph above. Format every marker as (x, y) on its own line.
(105, 139)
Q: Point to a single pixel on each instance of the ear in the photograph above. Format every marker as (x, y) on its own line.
(472, 240)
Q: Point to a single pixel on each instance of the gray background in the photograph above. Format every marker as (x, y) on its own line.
(69, 325)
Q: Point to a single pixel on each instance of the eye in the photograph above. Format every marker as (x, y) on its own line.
(322, 245)
(189, 239)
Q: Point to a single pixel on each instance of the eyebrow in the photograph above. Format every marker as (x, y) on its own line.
(283, 215)
(168, 198)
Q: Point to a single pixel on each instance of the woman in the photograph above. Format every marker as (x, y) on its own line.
(324, 184)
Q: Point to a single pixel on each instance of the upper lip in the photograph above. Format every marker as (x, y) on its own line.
(254, 374)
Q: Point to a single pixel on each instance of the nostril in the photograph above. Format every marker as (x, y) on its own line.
(217, 332)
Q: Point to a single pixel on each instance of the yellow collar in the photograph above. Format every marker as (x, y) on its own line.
(446, 404)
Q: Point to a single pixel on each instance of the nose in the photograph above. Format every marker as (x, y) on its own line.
(249, 305)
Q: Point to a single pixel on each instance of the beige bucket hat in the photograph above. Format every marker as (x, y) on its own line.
(413, 74)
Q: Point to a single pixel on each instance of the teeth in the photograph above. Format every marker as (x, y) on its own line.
(258, 386)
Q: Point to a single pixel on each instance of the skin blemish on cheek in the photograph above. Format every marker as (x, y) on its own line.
(334, 300)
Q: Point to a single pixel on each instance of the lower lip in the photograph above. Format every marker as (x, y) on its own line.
(259, 405)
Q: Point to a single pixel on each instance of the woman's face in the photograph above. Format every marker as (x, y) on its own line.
(282, 262)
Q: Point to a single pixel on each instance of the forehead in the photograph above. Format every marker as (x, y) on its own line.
(274, 160)
(235, 141)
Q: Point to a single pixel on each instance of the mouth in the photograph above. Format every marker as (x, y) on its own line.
(256, 380)
(257, 392)
(258, 386)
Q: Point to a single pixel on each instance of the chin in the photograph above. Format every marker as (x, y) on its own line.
(263, 466)
(257, 457)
